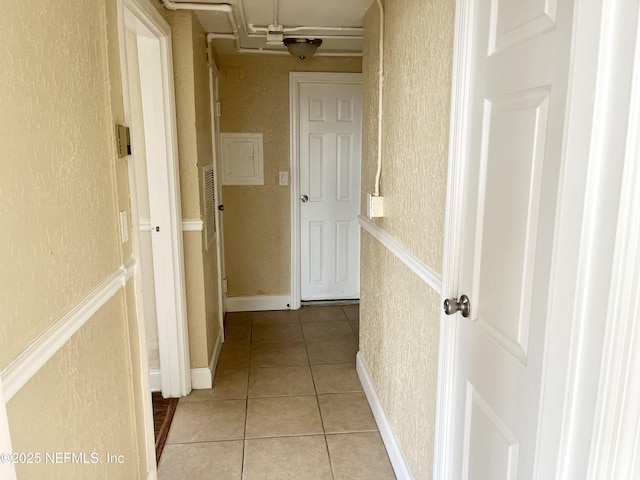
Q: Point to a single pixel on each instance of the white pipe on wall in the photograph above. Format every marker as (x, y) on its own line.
(218, 7)
(228, 9)
(275, 12)
(330, 37)
(376, 191)
(229, 36)
(254, 29)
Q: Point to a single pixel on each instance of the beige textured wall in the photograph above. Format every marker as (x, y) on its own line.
(80, 390)
(399, 334)
(56, 189)
(399, 313)
(136, 339)
(60, 192)
(254, 95)
(195, 151)
(416, 103)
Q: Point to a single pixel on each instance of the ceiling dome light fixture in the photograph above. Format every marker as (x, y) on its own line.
(302, 47)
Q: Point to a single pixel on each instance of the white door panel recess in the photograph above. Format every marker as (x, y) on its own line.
(516, 77)
(329, 187)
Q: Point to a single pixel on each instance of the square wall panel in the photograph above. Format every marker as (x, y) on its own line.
(242, 159)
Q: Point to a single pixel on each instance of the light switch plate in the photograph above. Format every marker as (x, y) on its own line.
(283, 178)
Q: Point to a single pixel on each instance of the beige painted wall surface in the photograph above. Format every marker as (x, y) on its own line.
(254, 93)
(57, 198)
(195, 151)
(399, 334)
(181, 22)
(416, 103)
(60, 192)
(399, 313)
(66, 396)
(196, 313)
(136, 337)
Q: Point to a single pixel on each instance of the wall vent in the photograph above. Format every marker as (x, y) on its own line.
(209, 191)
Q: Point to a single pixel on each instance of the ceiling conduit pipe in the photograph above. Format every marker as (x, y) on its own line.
(376, 191)
(255, 29)
(228, 9)
(230, 36)
(218, 7)
(330, 37)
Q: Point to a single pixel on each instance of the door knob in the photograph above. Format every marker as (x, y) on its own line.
(462, 305)
(304, 198)
(221, 208)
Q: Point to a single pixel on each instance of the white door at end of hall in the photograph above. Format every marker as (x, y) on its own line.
(517, 93)
(330, 151)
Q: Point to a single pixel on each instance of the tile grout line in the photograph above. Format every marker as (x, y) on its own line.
(246, 410)
(324, 430)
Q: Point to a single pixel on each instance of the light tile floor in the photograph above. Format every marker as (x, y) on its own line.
(286, 404)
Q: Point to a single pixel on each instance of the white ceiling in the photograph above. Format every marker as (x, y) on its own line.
(337, 22)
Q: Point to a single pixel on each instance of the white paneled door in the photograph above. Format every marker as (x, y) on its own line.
(329, 186)
(517, 59)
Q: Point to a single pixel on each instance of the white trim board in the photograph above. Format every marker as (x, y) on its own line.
(155, 380)
(201, 378)
(386, 432)
(259, 303)
(618, 412)
(20, 370)
(7, 469)
(153, 41)
(442, 457)
(213, 364)
(295, 80)
(417, 266)
(192, 225)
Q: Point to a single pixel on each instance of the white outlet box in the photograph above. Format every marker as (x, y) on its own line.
(283, 178)
(375, 206)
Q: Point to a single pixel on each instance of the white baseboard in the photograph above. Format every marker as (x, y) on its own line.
(201, 378)
(155, 380)
(213, 364)
(258, 303)
(386, 432)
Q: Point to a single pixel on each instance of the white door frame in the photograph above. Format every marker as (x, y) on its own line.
(172, 326)
(296, 79)
(214, 74)
(587, 213)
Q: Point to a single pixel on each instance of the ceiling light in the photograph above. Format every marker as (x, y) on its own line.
(302, 47)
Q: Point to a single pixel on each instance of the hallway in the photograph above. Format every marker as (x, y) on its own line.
(286, 404)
